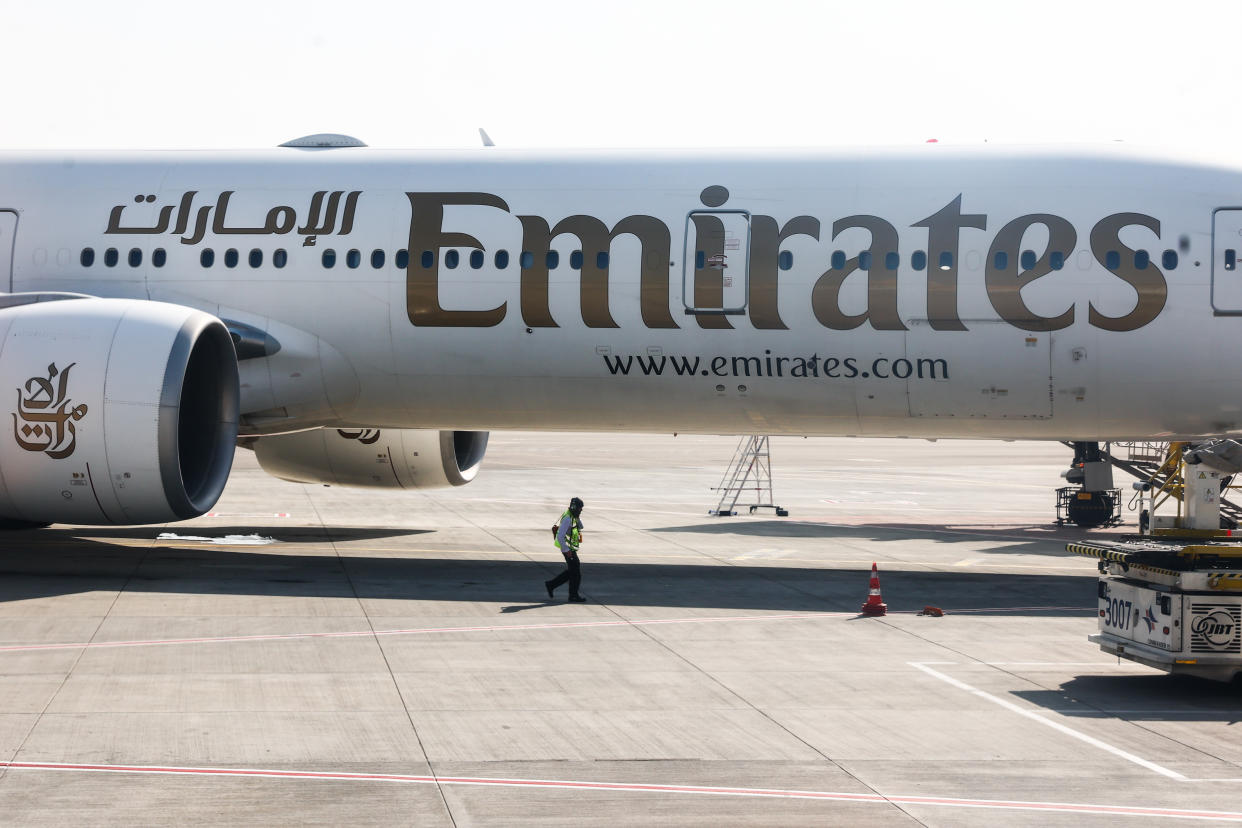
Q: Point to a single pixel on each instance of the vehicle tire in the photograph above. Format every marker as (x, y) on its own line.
(1091, 512)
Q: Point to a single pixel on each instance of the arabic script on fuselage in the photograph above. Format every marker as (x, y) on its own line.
(319, 218)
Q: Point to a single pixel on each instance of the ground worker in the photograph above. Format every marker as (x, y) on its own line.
(568, 539)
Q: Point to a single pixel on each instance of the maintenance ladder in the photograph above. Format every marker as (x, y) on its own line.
(750, 470)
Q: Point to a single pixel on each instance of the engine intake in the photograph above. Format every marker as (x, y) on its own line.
(383, 458)
(124, 412)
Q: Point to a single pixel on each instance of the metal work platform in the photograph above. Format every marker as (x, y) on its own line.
(750, 470)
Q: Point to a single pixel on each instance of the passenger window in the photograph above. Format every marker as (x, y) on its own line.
(452, 259)
(402, 260)
(946, 260)
(1000, 261)
(256, 258)
(207, 258)
(891, 261)
(280, 258)
(527, 259)
(230, 258)
(352, 259)
(377, 259)
(1112, 260)
(700, 260)
(918, 260)
(159, 257)
(552, 259)
(135, 257)
(601, 260)
(1028, 259)
(575, 260)
(427, 260)
(1141, 259)
(838, 260)
(110, 256)
(1169, 259)
(864, 260)
(785, 260)
(476, 259)
(328, 259)
(88, 256)
(1056, 260)
(502, 259)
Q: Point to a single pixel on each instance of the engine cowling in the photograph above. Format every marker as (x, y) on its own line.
(121, 411)
(390, 458)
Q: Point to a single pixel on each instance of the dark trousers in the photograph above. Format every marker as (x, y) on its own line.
(572, 573)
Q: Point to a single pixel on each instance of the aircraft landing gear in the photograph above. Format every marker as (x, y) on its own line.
(1088, 509)
(1093, 502)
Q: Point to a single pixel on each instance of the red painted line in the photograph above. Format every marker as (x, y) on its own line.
(835, 796)
(1087, 610)
(417, 631)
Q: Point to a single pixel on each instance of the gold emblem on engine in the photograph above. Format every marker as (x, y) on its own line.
(44, 421)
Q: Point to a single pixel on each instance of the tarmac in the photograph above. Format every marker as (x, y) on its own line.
(310, 655)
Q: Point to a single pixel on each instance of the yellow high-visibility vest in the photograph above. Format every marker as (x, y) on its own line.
(574, 535)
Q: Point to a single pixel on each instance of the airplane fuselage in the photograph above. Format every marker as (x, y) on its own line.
(929, 292)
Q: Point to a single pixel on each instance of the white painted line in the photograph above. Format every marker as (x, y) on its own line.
(248, 515)
(639, 622)
(1108, 663)
(491, 628)
(1057, 726)
(632, 787)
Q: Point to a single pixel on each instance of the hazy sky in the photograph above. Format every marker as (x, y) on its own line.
(668, 73)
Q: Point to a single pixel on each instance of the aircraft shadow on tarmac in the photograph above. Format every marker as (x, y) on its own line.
(53, 562)
(1161, 698)
(1007, 539)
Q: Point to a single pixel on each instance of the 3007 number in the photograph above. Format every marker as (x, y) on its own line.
(1118, 613)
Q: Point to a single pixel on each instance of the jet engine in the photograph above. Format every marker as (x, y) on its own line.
(385, 458)
(120, 411)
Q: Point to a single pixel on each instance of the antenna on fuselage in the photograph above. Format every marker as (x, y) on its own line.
(487, 139)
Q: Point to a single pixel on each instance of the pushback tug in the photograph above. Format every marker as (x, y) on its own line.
(1172, 597)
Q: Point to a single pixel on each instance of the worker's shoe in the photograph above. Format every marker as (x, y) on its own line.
(548, 586)
(577, 599)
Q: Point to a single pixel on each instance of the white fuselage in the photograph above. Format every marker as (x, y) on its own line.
(1010, 293)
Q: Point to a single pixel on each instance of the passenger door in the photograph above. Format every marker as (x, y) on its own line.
(716, 262)
(1226, 267)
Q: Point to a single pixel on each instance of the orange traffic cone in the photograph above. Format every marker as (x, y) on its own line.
(875, 603)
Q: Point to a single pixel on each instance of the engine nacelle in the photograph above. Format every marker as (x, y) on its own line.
(391, 458)
(121, 411)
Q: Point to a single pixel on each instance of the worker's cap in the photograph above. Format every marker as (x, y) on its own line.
(576, 504)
